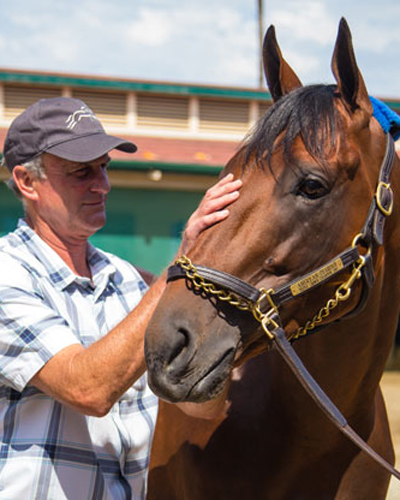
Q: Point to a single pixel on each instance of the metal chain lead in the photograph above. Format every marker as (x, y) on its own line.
(201, 284)
(342, 294)
(231, 298)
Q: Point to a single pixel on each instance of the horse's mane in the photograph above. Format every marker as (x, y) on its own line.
(308, 112)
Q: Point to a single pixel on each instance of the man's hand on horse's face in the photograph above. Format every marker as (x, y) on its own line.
(212, 209)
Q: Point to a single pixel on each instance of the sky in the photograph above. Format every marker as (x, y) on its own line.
(198, 41)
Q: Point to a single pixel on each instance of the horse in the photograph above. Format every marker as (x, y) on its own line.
(316, 233)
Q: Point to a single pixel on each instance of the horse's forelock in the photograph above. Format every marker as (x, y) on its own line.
(308, 112)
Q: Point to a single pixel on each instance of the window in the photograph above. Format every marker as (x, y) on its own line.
(162, 112)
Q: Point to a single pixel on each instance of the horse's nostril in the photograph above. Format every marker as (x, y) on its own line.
(181, 343)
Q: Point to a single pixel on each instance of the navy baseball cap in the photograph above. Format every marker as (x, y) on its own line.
(62, 126)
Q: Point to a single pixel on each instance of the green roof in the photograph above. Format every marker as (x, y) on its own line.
(395, 105)
(14, 76)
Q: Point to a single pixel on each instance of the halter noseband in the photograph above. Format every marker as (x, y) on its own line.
(264, 304)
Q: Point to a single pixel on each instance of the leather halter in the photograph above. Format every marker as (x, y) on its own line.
(264, 304)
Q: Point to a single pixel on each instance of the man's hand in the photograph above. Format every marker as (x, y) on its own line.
(212, 209)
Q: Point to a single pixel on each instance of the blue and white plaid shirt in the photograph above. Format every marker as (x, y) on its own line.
(49, 451)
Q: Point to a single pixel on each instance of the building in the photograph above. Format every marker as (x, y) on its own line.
(184, 133)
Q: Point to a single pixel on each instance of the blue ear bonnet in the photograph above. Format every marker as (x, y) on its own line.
(388, 119)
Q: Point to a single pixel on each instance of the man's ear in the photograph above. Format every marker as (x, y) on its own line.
(25, 182)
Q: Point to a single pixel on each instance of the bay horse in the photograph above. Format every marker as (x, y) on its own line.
(315, 236)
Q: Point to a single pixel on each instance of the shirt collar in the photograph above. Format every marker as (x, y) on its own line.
(59, 273)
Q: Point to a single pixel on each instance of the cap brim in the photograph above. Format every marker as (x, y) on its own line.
(89, 147)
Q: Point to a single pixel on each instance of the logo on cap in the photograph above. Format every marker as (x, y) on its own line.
(78, 115)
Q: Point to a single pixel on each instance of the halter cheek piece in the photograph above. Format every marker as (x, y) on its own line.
(264, 304)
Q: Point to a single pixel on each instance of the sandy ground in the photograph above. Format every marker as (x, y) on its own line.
(391, 391)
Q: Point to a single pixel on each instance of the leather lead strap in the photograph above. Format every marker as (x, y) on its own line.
(291, 358)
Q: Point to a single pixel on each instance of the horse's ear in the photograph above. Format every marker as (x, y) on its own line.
(280, 77)
(348, 77)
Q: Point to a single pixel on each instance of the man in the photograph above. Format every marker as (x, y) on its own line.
(76, 414)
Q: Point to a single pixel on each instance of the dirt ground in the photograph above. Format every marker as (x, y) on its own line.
(391, 391)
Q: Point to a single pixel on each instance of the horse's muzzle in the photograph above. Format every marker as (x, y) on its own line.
(182, 365)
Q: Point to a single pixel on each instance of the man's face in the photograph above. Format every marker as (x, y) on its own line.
(72, 198)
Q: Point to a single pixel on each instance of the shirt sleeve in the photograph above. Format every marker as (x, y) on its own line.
(31, 332)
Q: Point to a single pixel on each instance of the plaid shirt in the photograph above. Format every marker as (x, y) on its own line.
(49, 451)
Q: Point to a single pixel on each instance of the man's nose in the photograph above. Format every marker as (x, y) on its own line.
(101, 183)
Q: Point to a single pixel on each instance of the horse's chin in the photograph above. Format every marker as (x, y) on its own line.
(196, 387)
(213, 382)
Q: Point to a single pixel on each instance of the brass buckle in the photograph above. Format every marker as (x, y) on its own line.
(266, 318)
(379, 198)
(266, 321)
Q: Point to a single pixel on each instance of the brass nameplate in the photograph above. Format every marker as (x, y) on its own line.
(317, 277)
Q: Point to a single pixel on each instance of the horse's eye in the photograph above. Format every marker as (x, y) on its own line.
(312, 189)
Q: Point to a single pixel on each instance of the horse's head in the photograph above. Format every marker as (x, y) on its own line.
(309, 174)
